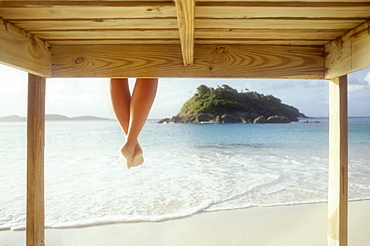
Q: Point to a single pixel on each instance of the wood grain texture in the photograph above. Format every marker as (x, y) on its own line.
(110, 34)
(210, 34)
(338, 163)
(281, 12)
(164, 61)
(220, 23)
(97, 23)
(252, 41)
(35, 161)
(22, 50)
(348, 53)
(294, 1)
(185, 16)
(90, 12)
(39, 10)
(167, 23)
(263, 23)
(267, 33)
(117, 41)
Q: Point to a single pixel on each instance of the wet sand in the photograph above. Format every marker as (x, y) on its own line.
(277, 226)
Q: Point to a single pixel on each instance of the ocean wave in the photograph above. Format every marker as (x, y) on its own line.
(188, 170)
(161, 218)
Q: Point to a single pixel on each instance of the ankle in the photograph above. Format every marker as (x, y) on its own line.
(130, 145)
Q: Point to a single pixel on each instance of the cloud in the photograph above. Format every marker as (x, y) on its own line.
(367, 78)
(358, 84)
(284, 84)
(175, 102)
(74, 97)
(316, 83)
(13, 91)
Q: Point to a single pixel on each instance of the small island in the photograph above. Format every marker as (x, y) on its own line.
(226, 105)
(52, 117)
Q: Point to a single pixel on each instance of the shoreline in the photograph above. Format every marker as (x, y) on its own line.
(160, 218)
(303, 224)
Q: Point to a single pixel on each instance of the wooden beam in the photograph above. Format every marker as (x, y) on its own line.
(22, 50)
(167, 23)
(280, 10)
(35, 161)
(265, 23)
(311, 1)
(112, 23)
(185, 16)
(251, 41)
(164, 61)
(187, 42)
(348, 53)
(13, 10)
(338, 163)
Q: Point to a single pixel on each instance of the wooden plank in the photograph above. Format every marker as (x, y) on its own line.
(98, 23)
(199, 34)
(114, 41)
(267, 33)
(167, 23)
(301, 3)
(296, 42)
(321, 24)
(22, 50)
(122, 0)
(338, 163)
(299, 42)
(28, 3)
(109, 34)
(164, 61)
(219, 12)
(12, 10)
(185, 16)
(90, 12)
(348, 53)
(309, 1)
(35, 161)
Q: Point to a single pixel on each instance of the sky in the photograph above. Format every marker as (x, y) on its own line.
(81, 97)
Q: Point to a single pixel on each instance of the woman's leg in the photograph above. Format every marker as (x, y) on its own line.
(120, 97)
(131, 113)
(141, 102)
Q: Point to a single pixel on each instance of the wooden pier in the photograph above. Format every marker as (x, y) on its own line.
(285, 39)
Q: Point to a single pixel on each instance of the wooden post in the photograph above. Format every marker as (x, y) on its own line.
(338, 163)
(35, 161)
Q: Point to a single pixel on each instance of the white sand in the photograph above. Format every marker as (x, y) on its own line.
(286, 225)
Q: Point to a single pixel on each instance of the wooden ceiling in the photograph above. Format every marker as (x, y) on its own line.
(185, 23)
(155, 22)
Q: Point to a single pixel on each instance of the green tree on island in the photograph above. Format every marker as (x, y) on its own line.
(226, 105)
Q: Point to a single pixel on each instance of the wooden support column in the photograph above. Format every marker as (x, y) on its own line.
(338, 163)
(35, 161)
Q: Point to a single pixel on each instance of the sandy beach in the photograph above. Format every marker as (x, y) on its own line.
(283, 225)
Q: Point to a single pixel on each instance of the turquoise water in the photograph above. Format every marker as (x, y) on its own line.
(189, 168)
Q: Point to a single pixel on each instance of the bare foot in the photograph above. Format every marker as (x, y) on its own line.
(138, 158)
(125, 157)
(131, 155)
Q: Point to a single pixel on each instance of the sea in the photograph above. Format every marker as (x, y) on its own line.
(188, 169)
